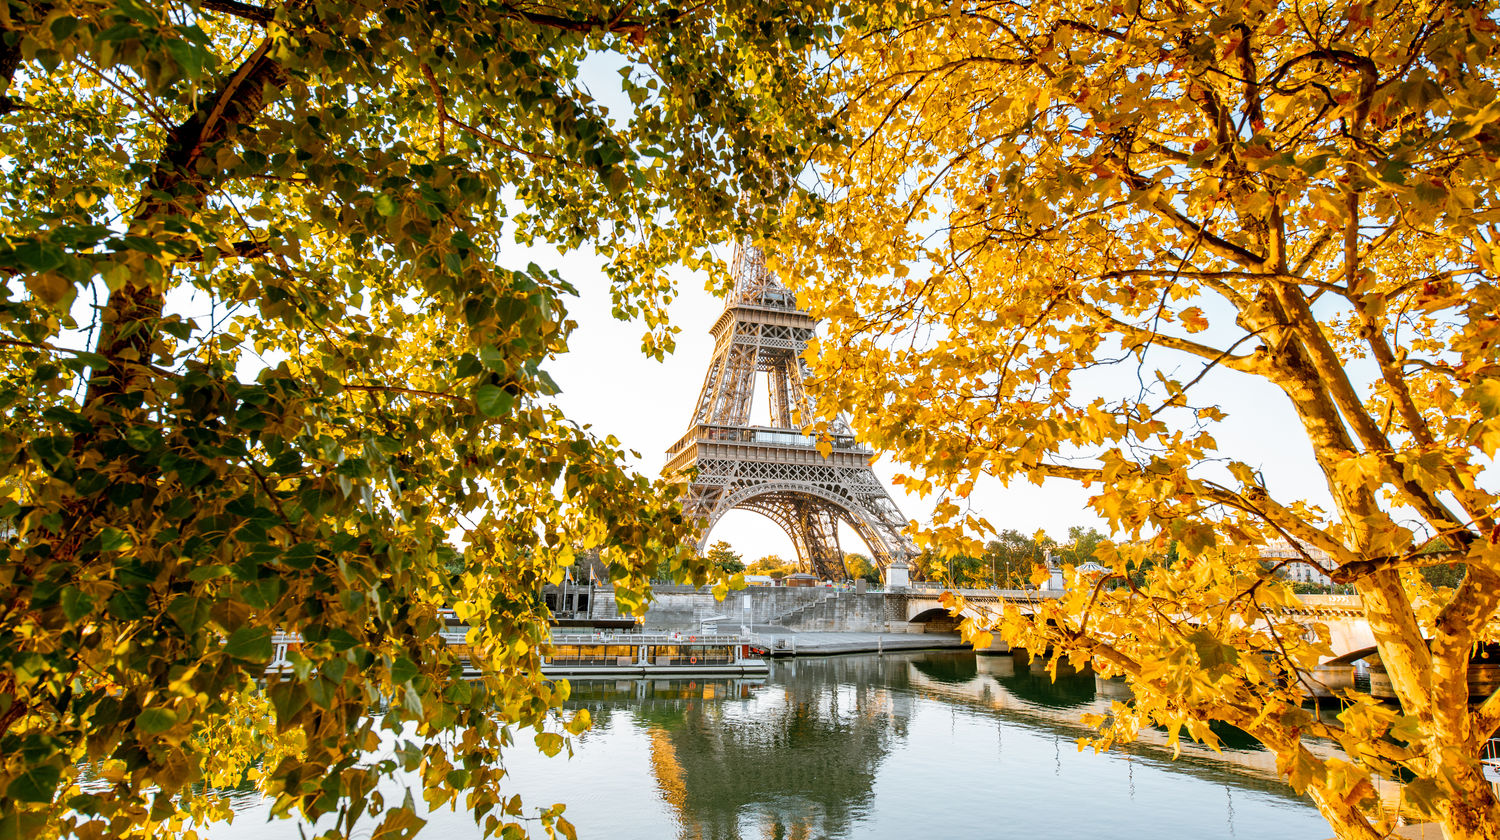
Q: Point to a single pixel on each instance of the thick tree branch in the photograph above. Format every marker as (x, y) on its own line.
(616, 23)
(1356, 569)
(175, 189)
(1332, 375)
(1457, 628)
(416, 392)
(1220, 246)
(1486, 720)
(247, 11)
(244, 249)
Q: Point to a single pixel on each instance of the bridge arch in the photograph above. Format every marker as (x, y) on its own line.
(929, 615)
(1352, 656)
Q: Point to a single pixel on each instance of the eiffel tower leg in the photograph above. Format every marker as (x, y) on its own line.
(819, 524)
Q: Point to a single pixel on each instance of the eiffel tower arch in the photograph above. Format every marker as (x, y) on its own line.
(775, 470)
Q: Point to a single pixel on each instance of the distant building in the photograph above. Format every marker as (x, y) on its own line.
(1300, 570)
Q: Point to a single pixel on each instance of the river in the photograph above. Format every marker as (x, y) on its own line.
(942, 745)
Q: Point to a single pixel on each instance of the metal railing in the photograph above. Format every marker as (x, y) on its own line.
(763, 435)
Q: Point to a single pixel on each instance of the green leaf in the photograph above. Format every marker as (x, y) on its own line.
(549, 742)
(402, 670)
(288, 698)
(63, 27)
(188, 56)
(156, 720)
(1212, 653)
(190, 612)
(36, 783)
(252, 644)
(1487, 395)
(385, 205)
(203, 573)
(113, 539)
(300, 556)
(493, 401)
(75, 603)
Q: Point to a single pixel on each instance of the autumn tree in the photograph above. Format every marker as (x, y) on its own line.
(772, 565)
(268, 367)
(1065, 230)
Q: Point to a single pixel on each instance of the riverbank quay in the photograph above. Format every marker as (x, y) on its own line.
(788, 644)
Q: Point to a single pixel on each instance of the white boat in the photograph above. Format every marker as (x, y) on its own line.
(654, 655)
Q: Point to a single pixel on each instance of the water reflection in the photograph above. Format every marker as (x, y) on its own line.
(801, 765)
(937, 744)
(811, 753)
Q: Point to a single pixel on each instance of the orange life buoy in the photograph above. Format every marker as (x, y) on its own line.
(692, 660)
(692, 638)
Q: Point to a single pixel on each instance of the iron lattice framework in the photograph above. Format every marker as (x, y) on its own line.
(776, 470)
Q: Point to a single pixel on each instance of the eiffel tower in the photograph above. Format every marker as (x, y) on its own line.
(776, 470)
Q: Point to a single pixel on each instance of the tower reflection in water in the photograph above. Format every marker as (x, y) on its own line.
(799, 760)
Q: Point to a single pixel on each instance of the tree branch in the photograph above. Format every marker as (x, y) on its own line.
(1144, 337)
(1355, 569)
(258, 14)
(176, 187)
(395, 389)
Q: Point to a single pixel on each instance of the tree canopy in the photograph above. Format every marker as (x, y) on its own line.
(861, 567)
(1062, 225)
(722, 556)
(266, 370)
(772, 565)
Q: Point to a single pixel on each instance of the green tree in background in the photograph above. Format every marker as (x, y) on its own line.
(721, 556)
(1080, 547)
(1011, 556)
(267, 366)
(861, 567)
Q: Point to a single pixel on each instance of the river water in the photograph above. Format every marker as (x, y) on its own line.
(941, 745)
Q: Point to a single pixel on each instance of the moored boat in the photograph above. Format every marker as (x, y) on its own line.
(640, 654)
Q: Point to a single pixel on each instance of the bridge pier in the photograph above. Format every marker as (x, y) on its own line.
(1484, 678)
(996, 647)
(1112, 688)
(1327, 681)
(996, 666)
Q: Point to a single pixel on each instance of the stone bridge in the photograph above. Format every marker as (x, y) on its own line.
(922, 603)
(1349, 633)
